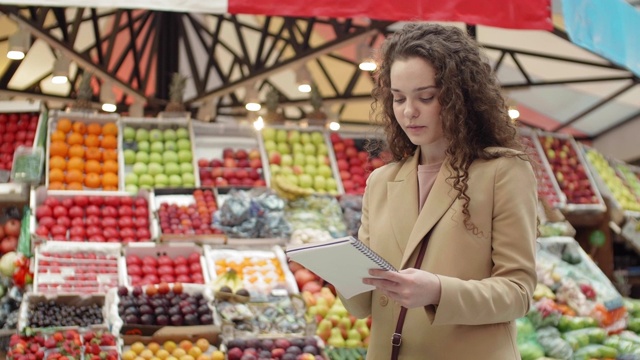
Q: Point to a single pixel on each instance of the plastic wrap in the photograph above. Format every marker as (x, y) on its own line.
(553, 344)
(317, 212)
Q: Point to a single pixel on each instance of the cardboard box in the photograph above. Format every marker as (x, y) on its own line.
(31, 299)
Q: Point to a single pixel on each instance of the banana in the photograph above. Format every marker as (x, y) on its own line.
(288, 187)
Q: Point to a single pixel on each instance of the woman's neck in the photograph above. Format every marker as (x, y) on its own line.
(433, 153)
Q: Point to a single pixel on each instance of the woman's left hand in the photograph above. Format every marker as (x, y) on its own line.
(409, 287)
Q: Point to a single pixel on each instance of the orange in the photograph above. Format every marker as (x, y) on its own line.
(79, 127)
(56, 175)
(185, 345)
(94, 129)
(74, 176)
(110, 129)
(92, 181)
(93, 166)
(109, 142)
(110, 188)
(75, 139)
(64, 125)
(110, 180)
(110, 166)
(57, 162)
(110, 154)
(203, 344)
(92, 140)
(76, 151)
(76, 163)
(58, 149)
(75, 186)
(93, 153)
(56, 186)
(58, 136)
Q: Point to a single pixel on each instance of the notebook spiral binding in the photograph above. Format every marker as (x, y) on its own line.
(384, 264)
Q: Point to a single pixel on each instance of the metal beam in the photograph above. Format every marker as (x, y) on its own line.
(594, 107)
(566, 81)
(73, 55)
(41, 97)
(287, 64)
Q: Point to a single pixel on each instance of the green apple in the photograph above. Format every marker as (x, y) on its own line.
(299, 159)
(170, 146)
(297, 148)
(170, 135)
(286, 170)
(161, 180)
(188, 179)
(129, 133)
(186, 168)
(331, 184)
(269, 134)
(131, 189)
(293, 136)
(142, 157)
(322, 160)
(129, 157)
(283, 148)
(131, 179)
(185, 156)
(155, 135)
(281, 136)
(270, 145)
(155, 169)
(293, 179)
(274, 169)
(157, 147)
(305, 138)
(286, 160)
(156, 158)
(169, 157)
(175, 180)
(312, 170)
(309, 149)
(183, 144)
(145, 180)
(171, 168)
(182, 133)
(317, 138)
(140, 168)
(144, 146)
(311, 160)
(142, 135)
(305, 180)
(321, 149)
(325, 171)
(319, 182)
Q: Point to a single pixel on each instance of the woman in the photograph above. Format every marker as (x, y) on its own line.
(459, 175)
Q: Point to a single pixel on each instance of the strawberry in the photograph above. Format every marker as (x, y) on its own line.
(50, 343)
(88, 336)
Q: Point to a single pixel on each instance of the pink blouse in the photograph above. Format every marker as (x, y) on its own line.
(426, 177)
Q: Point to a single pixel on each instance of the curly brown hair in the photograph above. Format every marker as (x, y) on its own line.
(473, 112)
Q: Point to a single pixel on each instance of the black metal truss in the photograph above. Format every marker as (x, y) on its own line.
(283, 43)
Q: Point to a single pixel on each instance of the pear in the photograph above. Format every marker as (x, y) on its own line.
(336, 339)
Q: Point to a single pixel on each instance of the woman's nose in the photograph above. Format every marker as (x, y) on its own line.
(410, 111)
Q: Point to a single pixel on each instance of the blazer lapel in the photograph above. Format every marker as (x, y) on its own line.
(402, 197)
(440, 199)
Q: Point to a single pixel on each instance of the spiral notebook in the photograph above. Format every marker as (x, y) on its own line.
(342, 262)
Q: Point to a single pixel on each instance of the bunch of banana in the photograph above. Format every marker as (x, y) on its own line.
(230, 279)
(288, 190)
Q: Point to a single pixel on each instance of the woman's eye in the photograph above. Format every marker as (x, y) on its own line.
(427, 99)
(398, 100)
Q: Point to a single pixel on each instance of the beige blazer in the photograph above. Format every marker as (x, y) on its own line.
(487, 279)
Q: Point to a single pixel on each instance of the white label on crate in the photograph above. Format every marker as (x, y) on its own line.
(67, 271)
(104, 278)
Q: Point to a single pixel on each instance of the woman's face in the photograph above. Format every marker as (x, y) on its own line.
(415, 100)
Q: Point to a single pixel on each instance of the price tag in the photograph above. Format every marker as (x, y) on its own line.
(67, 271)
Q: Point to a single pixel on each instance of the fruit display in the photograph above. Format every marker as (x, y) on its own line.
(302, 157)
(78, 268)
(10, 299)
(82, 153)
(16, 129)
(236, 167)
(187, 215)
(200, 349)
(92, 217)
(611, 182)
(10, 230)
(258, 271)
(27, 165)
(290, 348)
(547, 186)
(158, 154)
(169, 263)
(570, 171)
(41, 311)
(320, 212)
(354, 163)
(161, 305)
(631, 179)
(64, 345)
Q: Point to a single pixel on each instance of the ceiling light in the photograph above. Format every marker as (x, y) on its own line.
(334, 126)
(303, 79)
(61, 70)
(252, 99)
(258, 124)
(108, 98)
(365, 57)
(19, 44)
(513, 113)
